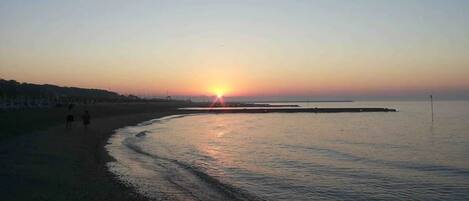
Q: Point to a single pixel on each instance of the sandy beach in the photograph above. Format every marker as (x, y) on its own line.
(69, 164)
(234, 100)
(48, 161)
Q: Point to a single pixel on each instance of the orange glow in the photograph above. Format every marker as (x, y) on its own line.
(219, 91)
(276, 53)
(218, 101)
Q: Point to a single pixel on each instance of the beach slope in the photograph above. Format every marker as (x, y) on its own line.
(69, 164)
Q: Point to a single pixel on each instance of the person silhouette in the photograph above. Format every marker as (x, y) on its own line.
(69, 120)
(86, 118)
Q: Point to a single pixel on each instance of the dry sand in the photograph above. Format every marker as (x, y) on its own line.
(66, 164)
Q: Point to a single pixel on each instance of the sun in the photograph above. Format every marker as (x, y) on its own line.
(218, 99)
(219, 92)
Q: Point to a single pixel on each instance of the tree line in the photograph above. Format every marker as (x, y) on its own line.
(14, 94)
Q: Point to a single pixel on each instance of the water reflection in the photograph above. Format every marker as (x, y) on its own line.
(320, 156)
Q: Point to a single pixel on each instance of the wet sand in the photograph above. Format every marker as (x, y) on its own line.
(67, 164)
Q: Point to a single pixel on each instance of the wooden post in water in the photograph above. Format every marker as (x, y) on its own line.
(431, 102)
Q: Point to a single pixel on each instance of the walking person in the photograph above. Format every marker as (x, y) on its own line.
(69, 120)
(86, 118)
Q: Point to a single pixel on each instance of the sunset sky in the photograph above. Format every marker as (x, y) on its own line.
(240, 48)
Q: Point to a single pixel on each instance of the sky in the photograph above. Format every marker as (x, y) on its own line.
(316, 49)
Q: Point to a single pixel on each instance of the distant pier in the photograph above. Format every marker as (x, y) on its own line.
(288, 110)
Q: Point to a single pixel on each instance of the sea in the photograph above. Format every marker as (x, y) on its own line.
(402, 155)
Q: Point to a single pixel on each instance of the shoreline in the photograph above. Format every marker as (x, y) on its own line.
(106, 157)
(68, 164)
(229, 111)
(289, 110)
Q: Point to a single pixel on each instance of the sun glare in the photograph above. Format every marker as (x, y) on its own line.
(219, 92)
(218, 97)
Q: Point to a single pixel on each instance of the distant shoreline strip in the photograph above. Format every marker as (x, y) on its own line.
(288, 110)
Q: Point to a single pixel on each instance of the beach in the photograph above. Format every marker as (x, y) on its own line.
(209, 156)
(234, 100)
(69, 164)
(41, 159)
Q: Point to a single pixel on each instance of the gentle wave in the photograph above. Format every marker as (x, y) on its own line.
(294, 157)
(218, 189)
(141, 134)
(439, 169)
(162, 119)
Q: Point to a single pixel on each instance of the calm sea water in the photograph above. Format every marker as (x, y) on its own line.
(300, 156)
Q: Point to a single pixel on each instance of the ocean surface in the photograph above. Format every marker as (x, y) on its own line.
(300, 156)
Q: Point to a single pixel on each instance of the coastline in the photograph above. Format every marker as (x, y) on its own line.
(68, 164)
(57, 163)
